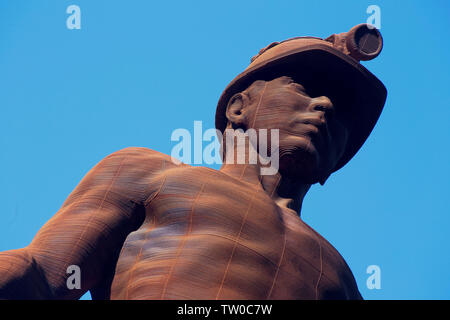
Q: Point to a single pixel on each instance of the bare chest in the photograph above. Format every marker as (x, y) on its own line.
(206, 239)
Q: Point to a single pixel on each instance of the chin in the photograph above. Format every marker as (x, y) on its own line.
(300, 160)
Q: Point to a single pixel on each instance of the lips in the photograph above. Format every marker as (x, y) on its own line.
(321, 128)
(317, 122)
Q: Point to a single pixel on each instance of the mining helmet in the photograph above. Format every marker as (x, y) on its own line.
(329, 67)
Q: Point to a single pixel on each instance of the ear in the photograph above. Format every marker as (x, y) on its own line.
(236, 110)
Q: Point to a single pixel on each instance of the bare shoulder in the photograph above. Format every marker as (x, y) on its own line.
(139, 160)
(131, 174)
(142, 156)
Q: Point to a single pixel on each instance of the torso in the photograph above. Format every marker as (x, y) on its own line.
(207, 235)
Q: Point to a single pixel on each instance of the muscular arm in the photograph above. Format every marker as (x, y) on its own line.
(88, 230)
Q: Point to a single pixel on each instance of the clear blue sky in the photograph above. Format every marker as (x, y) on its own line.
(137, 70)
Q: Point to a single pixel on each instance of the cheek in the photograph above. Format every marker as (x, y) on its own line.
(279, 117)
(277, 110)
(268, 119)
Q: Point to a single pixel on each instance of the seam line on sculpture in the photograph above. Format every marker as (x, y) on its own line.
(99, 207)
(145, 238)
(239, 243)
(235, 245)
(259, 103)
(152, 197)
(316, 235)
(260, 254)
(138, 258)
(278, 268)
(41, 234)
(275, 187)
(321, 267)
(243, 171)
(364, 43)
(181, 246)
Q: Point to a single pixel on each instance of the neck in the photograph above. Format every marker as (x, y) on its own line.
(287, 192)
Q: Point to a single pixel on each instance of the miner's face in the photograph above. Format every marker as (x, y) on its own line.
(312, 135)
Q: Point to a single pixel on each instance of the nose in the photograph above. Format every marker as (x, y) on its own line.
(322, 104)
